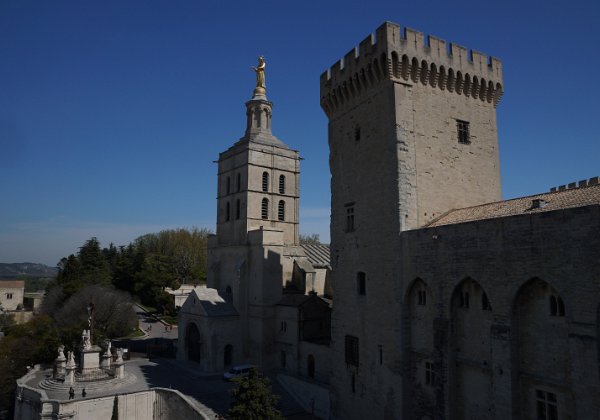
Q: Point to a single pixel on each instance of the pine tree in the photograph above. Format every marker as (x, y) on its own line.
(253, 399)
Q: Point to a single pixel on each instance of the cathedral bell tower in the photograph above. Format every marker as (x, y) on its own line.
(258, 182)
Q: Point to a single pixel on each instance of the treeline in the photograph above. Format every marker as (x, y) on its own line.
(143, 268)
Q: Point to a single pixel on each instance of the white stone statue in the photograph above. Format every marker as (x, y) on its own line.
(119, 356)
(108, 345)
(85, 336)
(61, 352)
(70, 360)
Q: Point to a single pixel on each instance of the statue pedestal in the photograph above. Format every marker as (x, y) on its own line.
(90, 358)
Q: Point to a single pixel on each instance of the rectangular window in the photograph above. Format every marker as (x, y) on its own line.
(546, 405)
(9, 296)
(429, 374)
(349, 219)
(361, 281)
(380, 354)
(462, 128)
(352, 350)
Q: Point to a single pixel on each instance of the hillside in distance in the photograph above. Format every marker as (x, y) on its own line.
(11, 270)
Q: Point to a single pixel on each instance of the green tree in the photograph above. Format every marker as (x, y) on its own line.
(253, 399)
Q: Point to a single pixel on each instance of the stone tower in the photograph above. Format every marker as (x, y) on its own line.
(412, 135)
(250, 257)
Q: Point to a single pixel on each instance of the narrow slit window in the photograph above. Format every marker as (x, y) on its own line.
(264, 210)
(349, 219)
(239, 182)
(361, 280)
(228, 185)
(281, 184)
(281, 210)
(265, 181)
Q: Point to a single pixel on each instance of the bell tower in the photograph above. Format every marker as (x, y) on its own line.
(258, 180)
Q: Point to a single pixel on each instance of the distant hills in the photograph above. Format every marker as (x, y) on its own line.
(26, 269)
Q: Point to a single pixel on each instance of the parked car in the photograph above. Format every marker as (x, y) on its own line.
(238, 371)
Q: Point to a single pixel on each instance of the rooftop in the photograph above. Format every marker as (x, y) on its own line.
(539, 203)
(318, 255)
(12, 284)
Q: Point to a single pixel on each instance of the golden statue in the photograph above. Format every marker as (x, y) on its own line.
(260, 75)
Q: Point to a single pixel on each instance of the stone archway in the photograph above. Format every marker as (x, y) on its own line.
(193, 342)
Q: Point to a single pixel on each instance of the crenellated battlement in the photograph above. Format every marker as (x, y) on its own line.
(410, 57)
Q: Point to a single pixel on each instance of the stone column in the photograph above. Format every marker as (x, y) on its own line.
(119, 365)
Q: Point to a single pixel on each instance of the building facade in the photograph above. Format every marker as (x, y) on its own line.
(490, 311)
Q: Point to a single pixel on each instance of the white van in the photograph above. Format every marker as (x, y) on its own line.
(238, 371)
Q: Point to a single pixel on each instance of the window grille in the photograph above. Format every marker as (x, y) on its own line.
(265, 208)
(265, 181)
(281, 211)
(463, 132)
(281, 184)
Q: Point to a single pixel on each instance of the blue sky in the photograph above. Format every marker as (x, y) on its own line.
(112, 112)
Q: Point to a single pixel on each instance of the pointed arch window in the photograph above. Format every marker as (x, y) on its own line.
(265, 181)
(281, 210)
(264, 209)
(281, 184)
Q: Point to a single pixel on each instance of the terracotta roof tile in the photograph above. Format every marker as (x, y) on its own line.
(556, 200)
(12, 284)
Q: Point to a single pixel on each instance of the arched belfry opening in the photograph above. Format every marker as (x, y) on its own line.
(193, 343)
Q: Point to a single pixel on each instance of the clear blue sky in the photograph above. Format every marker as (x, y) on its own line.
(112, 112)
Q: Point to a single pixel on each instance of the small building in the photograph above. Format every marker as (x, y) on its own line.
(181, 294)
(32, 301)
(11, 294)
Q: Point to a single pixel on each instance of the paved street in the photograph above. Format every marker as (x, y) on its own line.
(152, 327)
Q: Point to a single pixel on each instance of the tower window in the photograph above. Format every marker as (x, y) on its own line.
(265, 181)
(422, 297)
(264, 209)
(239, 182)
(485, 303)
(557, 306)
(238, 209)
(228, 212)
(352, 350)
(464, 300)
(361, 282)
(546, 405)
(228, 185)
(380, 354)
(430, 375)
(463, 132)
(281, 184)
(281, 210)
(350, 219)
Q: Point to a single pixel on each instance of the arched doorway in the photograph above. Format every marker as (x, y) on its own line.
(193, 342)
(228, 355)
(311, 366)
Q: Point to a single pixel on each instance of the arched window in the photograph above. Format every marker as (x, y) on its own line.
(239, 182)
(228, 212)
(281, 184)
(361, 283)
(264, 210)
(228, 294)
(228, 185)
(553, 305)
(281, 210)
(237, 209)
(265, 181)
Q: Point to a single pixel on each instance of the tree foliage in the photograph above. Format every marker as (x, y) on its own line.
(144, 268)
(310, 239)
(253, 399)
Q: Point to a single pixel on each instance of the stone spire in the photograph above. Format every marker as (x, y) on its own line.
(259, 111)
